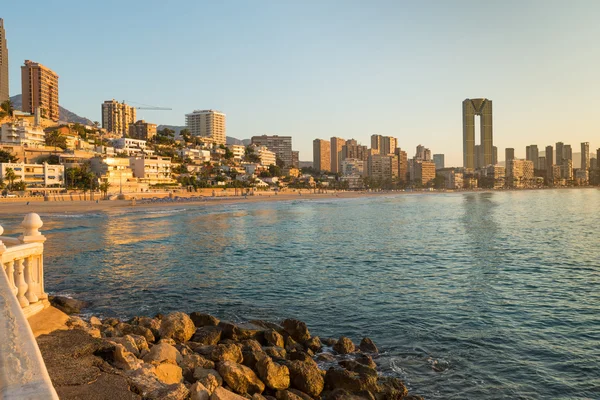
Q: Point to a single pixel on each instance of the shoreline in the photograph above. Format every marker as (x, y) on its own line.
(91, 206)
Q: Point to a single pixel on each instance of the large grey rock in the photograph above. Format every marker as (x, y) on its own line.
(368, 346)
(66, 304)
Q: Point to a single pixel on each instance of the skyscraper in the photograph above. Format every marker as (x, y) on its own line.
(39, 86)
(560, 153)
(483, 109)
(438, 159)
(280, 145)
(116, 117)
(585, 156)
(532, 153)
(321, 155)
(4, 92)
(337, 145)
(207, 124)
(549, 164)
(567, 153)
(383, 145)
(509, 154)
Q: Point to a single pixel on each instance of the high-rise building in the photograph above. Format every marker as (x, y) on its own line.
(438, 160)
(116, 117)
(495, 155)
(598, 156)
(483, 109)
(549, 165)
(354, 150)
(142, 130)
(4, 92)
(336, 154)
(424, 172)
(509, 154)
(321, 155)
(295, 159)
(585, 156)
(402, 165)
(520, 173)
(541, 163)
(382, 166)
(280, 145)
(566, 169)
(383, 145)
(532, 154)
(39, 86)
(560, 153)
(568, 153)
(208, 125)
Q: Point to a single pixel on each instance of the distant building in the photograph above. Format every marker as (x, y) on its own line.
(383, 167)
(238, 150)
(568, 153)
(353, 167)
(207, 124)
(452, 178)
(280, 145)
(422, 153)
(4, 84)
(115, 171)
(509, 155)
(116, 117)
(152, 170)
(438, 160)
(23, 134)
(267, 157)
(566, 169)
(549, 165)
(483, 109)
(424, 172)
(402, 165)
(296, 159)
(35, 175)
(497, 173)
(131, 147)
(321, 155)
(351, 149)
(384, 145)
(541, 163)
(585, 156)
(520, 173)
(197, 156)
(532, 154)
(560, 153)
(142, 130)
(582, 176)
(39, 87)
(337, 145)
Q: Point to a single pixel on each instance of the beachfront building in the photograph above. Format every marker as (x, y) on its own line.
(337, 145)
(117, 172)
(352, 167)
(39, 87)
(280, 145)
(321, 155)
(116, 117)
(22, 133)
(35, 175)
(382, 167)
(453, 179)
(383, 145)
(520, 173)
(266, 156)
(238, 150)
(196, 155)
(208, 125)
(153, 170)
(142, 130)
(424, 172)
(131, 147)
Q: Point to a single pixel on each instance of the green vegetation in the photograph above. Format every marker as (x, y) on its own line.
(6, 157)
(7, 109)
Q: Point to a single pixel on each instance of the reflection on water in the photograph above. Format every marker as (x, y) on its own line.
(478, 295)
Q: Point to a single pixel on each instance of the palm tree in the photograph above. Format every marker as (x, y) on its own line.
(104, 186)
(7, 109)
(10, 176)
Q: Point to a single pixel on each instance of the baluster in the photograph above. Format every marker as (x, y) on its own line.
(10, 273)
(21, 285)
(40, 270)
(29, 279)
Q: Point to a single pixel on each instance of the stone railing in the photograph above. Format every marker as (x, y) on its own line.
(23, 263)
(23, 374)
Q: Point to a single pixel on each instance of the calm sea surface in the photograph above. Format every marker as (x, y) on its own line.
(475, 295)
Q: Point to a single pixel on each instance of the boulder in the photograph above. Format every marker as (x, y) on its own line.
(177, 326)
(177, 391)
(306, 377)
(226, 352)
(251, 345)
(355, 366)
(208, 377)
(238, 332)
(251, 358)
(341, 394)
(122, 329)
(275, 376)
(275, 352)
(296, 329)
(147, 322)
(287, 395)
(350, 381)
(209, 335)
(67, 305)
(128, 342)
(163, 352)
(366, 359)
(110, 321)
(274, 338)
(240, 378)
(141, 343)
(224, 394)
(124, 359)
(300, 355)
(168, 373)
(300, 394)
(344, 346)
(201, 319)
(326, 357)
(292, 345)
(192, 361)
(368, 346)
(329, 341)
(391, 388)
(199, 392)
(314, 344)
(95, 321)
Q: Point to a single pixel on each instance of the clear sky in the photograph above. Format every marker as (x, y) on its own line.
(322, 68)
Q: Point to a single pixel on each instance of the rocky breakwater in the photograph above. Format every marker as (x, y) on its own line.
(199, 357)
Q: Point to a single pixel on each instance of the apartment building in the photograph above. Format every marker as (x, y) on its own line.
(22, 133)
(116, 117)
(152, 170)
(39, 87)
(337, 145)
(142, 130)
(520, 173)
(35, 175)
(382, 167)
(196, 155)
(267, 157)
(4, 92)
(207, 124)
(424, 172)
(280, 145)
(238, 150)
(131, 147)
(452, 179)
(384, 145)
(353, 167)
(321, 155)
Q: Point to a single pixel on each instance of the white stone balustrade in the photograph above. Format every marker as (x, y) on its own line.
(23, 374)
(23, 262)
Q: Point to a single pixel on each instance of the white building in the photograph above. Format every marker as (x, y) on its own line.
(195, 155)
(266, 156)
(131, 147)
(22, 133)
(238, 151)
(152, 170)
(353, 167)
(207, 124)
(35, 175)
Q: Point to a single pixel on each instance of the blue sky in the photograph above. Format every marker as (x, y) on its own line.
(328, 68)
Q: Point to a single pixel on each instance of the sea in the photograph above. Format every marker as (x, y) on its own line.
(480, 295)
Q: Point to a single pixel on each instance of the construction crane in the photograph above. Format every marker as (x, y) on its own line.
(147, 107)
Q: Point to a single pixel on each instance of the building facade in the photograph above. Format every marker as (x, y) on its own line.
(483, 109)
(4, 85)
(280, 145)
(383, 167)
(116, 117)
(337, 145)
(207, 124)
(267, 157)
(384, 145)
(354, 150)
(152, 170)
(39, 87)
(36, 175)
(131, 147)
(402, 165)
(295, 159)
(353, 167)
(424, 172)
(321, 155)
(142, 130)
(438, 160)
(520, 173)
(585, 156)
(23, 134)
(532, 153)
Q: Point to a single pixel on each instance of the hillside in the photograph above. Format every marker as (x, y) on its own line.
(230, 140)
(65, 115)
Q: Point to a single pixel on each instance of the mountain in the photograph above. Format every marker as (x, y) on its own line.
(230, 140)
(64, 114)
